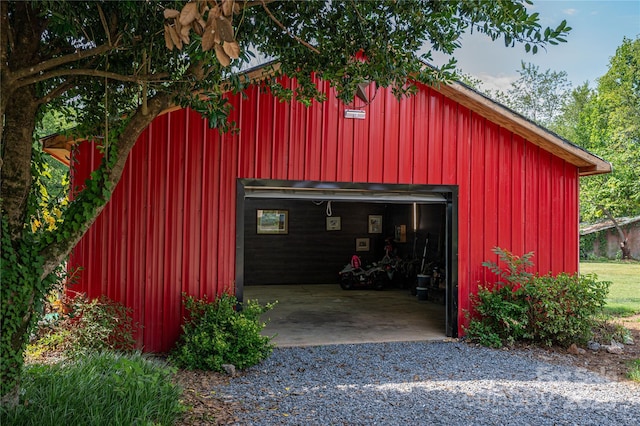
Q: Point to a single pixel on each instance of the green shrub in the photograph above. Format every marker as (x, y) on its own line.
(549, 310)
(563, 309)
(502, 313)
(100, 324)
(484, 333)
(514, 271)
(217, 333)
(83, 326)
(99, 389)
(499, 312)
(55, 341)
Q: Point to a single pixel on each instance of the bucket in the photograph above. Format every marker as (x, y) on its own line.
(423, 280)
(422, 293)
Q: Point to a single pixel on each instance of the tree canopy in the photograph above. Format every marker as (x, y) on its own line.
(115, 65)
(609, 125)
(604, 120)
(539, 96)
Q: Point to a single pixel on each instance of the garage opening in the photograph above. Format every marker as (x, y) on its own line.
(295, 237)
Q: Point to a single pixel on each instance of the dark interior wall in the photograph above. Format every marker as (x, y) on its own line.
(431, 230)
(309, 254)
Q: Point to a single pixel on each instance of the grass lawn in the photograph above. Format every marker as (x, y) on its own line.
(624, 293)
(98, 389)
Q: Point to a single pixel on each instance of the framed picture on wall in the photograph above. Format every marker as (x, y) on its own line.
(401, 233)
(334, 223)
(273, 222)
(362, 244)
(375, 224)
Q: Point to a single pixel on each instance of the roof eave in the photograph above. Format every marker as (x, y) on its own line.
(586, 162)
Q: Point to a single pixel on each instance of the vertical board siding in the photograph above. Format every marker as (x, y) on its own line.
(505, 183)
(421, 139)
(476, 200)
(463, 180)
(449, 141)
(517, 167)
(376, 143)
(434, 171)
(543, 252)
(405, 141)
(490, 194)
(390, 138)
(330, 140)
(557, 220)
(571, 227)
(170, 226)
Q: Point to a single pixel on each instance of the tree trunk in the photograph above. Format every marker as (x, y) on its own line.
(19, 114)
(624, 240)
(14, 341)
(15, 179)
(20, 268)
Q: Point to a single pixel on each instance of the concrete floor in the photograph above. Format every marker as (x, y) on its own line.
(321, 314)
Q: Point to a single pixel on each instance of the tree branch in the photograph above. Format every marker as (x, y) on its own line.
(61, 60)
(58, 91)
(56, 252)
(104, 24)
(623, 237)
(160, 77)
(285, 29)
(251, 3)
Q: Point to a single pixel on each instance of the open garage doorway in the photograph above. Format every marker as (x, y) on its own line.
(294, 237)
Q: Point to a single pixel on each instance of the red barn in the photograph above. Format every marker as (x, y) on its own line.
(448, 169)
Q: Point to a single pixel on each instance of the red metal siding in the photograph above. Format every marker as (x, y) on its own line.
(477, 253)
(463, 180)
(170, 226)
(518, 225)
(505, 203)
(435, 161)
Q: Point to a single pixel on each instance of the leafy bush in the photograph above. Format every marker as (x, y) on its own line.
(100, 324)
(502, 316)
(515, 270)
(99, 389)
(217, 333)
(55, 341)
(484, 333)
(80, 326)
(549, 310)
(562, 309)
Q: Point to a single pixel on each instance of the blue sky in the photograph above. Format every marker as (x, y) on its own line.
(599, 27)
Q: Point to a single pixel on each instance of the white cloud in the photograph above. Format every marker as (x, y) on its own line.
(570, 12)
(497, 82)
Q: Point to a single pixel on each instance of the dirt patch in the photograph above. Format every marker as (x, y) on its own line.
(612, 366)
(204, 406)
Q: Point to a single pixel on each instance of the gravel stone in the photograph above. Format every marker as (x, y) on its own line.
(614, 349)
(594, 346)
(424, 383)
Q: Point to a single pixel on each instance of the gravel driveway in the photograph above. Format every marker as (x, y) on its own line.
(424, 383)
